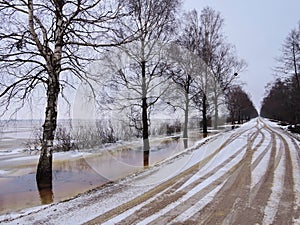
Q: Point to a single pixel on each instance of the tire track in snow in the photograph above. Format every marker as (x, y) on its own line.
(274, 200)
(283, 164)
(162, 207)
(238, 205)
(216, 178)
(231, 194)
(285, 212)
(183, 176)
(260, 193)
(296, 168)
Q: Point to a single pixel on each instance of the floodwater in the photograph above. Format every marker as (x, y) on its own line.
(73, 176)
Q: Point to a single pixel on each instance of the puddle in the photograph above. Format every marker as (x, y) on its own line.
(69, 179)
(74, 176)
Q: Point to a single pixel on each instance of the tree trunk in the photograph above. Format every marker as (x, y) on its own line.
(232, 115)
(216, 113)
(186, 117)
(53, 60)
(146, 144)
(204, 114)
(186, 121)
(46, 196)
(44, 168)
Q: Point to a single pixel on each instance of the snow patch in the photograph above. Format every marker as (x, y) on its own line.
(277, 189)
(10, 152)
(260, 170)
(198, 206)
(4, 172)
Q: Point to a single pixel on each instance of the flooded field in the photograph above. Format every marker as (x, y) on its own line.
(73, 172)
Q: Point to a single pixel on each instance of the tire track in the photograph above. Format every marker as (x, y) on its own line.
(190, 201)
(161, 203)
(223, 194)
(232, 194)
(260, 194)
(175, 182)
(256, 212)
(296, 169)
(285, 212)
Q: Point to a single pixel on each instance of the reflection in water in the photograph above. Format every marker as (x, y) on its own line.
(146, 150)
(46, 196)
(185, 143)
(74, 176)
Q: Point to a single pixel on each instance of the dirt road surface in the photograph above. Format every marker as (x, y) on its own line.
(247, 176)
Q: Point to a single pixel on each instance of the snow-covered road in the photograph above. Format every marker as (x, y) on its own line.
(246, 176)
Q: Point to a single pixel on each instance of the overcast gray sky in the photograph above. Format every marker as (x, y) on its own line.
(257, 28)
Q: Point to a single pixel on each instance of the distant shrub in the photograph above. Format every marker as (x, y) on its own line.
(94, 136)
(294, 128)
(167, 128)
(63, 140)
(35, 142)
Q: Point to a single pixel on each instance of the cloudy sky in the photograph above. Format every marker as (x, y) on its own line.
(258, 29)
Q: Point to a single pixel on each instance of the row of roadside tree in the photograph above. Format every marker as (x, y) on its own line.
(282, 100)
(136, 56)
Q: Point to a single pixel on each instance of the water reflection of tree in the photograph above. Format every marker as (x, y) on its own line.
(46, 196)
(76, 165)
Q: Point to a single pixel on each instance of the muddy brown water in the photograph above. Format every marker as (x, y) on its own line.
(75, 176)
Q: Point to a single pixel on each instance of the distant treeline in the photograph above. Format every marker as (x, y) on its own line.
(239, 104)
(282, 100)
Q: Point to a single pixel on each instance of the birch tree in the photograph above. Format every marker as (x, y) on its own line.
(188, 70)
(225, 68)
(47, 43)
(219, 56)
(140, 78)
(194, 38)
(289, 66)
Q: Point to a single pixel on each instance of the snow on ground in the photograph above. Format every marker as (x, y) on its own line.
(11, 152)
(217, 160)
(3, 172)
(25, 158)
(261, 168)
(277, 189)
(69, 155)
(92, 204)
(86, 204)
(196, 189)
(191, 160)
(198, 206)
(296, 168)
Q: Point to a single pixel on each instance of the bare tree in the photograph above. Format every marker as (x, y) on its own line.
(277, 102)
(139, 67)
(201, 36)
(289, 62)
(289, 65)
(219, 56)
(225, 68)
(240, 105)
(188, 71)
(49, 43)
(282, 100)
